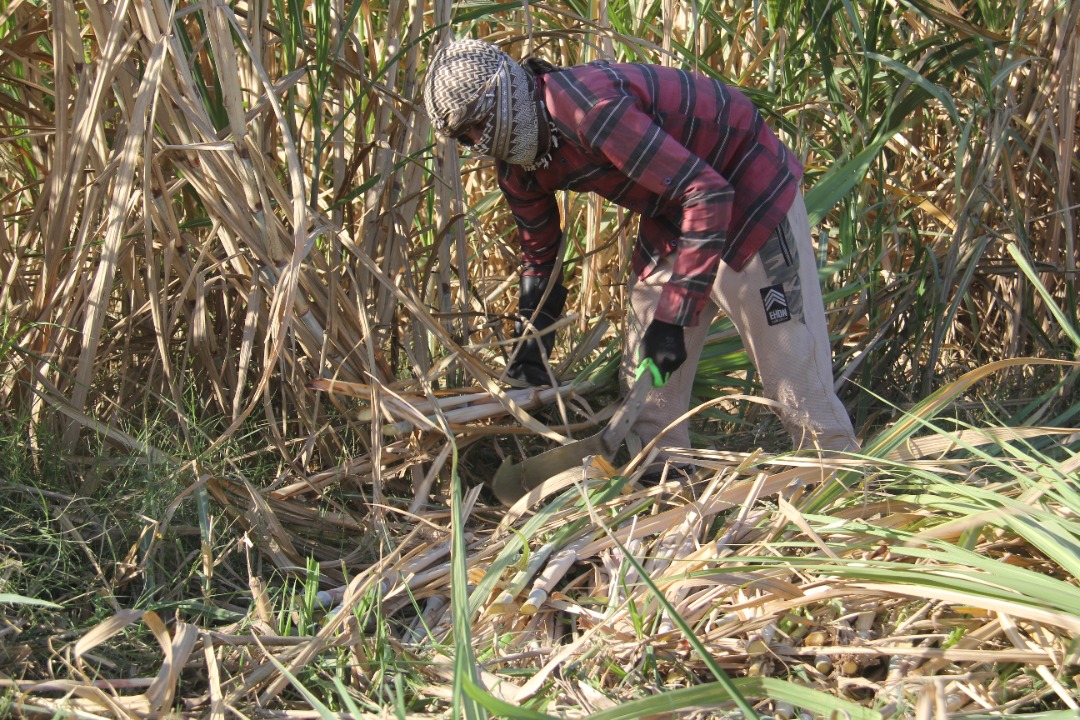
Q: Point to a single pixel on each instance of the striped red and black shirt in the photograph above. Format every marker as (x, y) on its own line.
(691, 155)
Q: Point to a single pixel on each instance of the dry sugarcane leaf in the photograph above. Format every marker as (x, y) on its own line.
(160, 692)
(266, 530)
(90, 699)
(247, 343)
(283, 303)
(500, 687)
(947, 655)
(213, 677)
(225, 54)
(733, 496)
(789, 511)
(114, 235)
(178, 649)
(1046, 617)
(105, 630)
(937, 445)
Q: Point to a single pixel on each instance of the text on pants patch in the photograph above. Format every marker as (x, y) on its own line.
(776, 304)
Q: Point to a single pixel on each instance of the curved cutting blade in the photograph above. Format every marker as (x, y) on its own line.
(513, 480)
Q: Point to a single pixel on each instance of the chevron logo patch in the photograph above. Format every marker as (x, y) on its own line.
(776, 304)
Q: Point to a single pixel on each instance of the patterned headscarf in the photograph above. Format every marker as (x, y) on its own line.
(471, 82)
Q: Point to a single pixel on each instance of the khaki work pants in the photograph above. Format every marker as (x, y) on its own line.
(792, 356)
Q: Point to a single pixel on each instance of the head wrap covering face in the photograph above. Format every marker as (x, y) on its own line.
(471, 82)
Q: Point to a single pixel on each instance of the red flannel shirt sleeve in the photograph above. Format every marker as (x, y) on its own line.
(536, 213)
(641, 150)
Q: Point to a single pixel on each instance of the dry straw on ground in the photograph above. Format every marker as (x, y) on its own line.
(230, 249)
(866, 601)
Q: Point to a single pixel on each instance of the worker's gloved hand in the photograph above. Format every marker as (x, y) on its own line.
(663, 344)
(528, 365)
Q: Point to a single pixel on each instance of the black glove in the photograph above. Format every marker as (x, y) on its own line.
(663, 344)
(529, 365)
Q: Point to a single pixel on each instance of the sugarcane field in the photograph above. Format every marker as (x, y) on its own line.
(588, 360)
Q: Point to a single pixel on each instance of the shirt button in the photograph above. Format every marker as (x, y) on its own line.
(667, 181)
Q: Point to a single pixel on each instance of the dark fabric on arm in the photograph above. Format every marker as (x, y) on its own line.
(536, 214)
(641, 150)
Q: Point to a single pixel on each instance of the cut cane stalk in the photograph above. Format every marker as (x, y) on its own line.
(823, 664)
(507, 597)
(758, 643)
(412, 411)
(849, 667)
(761, 667)
(553, 573)
(784, 710)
